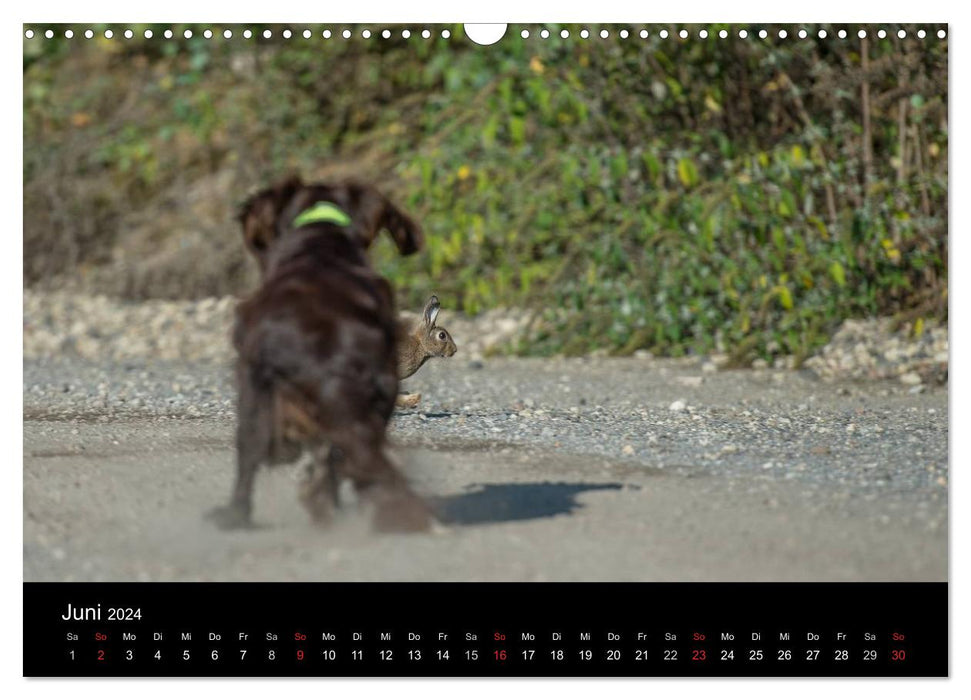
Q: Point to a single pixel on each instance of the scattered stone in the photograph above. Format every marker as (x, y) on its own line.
(678, 405)
(870, 349)
(910, 378)
(102, 328)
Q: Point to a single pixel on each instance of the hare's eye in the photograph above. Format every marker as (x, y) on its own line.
(441, 335)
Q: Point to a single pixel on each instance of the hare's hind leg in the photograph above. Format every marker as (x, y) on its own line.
(318, 493)
(406, 400)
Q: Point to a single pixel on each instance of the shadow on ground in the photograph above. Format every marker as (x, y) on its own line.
(497, 503)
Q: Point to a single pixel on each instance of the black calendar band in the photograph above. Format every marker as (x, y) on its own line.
(485, 629)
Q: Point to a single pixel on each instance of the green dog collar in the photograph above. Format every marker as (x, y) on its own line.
(322, 213)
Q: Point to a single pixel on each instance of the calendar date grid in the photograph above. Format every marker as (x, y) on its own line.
(508, 646)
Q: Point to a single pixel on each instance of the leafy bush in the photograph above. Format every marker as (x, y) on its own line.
(675, 195)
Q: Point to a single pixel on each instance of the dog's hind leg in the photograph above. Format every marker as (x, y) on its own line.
(378, 482)
(254, 438)
(319, 492)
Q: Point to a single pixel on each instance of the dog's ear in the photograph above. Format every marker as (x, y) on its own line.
(258, 216)
(374, 212)
(404, 230)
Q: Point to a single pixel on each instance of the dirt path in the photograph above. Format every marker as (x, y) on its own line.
(541, 471)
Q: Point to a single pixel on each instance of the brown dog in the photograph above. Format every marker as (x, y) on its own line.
(316, 346)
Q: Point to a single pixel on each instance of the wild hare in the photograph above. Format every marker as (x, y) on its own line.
(317, 363)
(419, 342)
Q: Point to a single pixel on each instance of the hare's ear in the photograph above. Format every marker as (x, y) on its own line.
(375, 212)
(432, 307)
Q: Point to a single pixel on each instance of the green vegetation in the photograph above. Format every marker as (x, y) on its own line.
(674, 195)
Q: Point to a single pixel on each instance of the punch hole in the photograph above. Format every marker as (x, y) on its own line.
(167, 34)
(603, 33)
(683, 34)
(763, 34)
(584, 34)
(108, 34)
(524, 34)
(405, 33)
(247, 34)
(386, 34)
(643, 34)
(723, 34)
(29, 34)
(564, 34)
(624, 33)
(307, 34)
(803, 33)
(545, 34)
(346, 34)
(425, 34)
(446, 34)
(742, 34)
(267, 34)
(663, 33)
(783, 33)
(703, 34)
(207, 34)
(901, 34)
(326, 34)
(882, 33)
(129, 33)
(841, 33)
(366, 34)
(287, 34)
(88, 34)
(149, 34)
(227, 34)
(69, 34)
(486, 34)
(822, 33)
(921, 33)
(187, 33)
(941, 33)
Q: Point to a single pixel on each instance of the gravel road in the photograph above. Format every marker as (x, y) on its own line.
(561, 469)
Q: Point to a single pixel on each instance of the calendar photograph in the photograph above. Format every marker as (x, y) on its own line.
(393, 303)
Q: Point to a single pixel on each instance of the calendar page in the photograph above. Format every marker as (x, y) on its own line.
(485, 350)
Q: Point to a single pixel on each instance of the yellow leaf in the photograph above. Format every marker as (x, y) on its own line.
(798, 155)
(464, 172)
(687, 172)
(837, 273)
(536, 65)
(918, 327)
